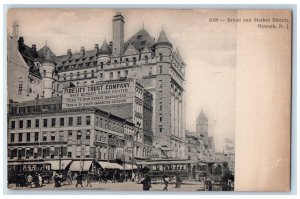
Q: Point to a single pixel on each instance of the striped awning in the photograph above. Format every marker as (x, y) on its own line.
(78, 165)
(55, 164)
(110, 165)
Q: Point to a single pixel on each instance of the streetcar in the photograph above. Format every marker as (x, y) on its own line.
(156, 169)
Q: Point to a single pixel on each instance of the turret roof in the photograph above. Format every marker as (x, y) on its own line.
(163, 37)
(104, 48)
(45, 54)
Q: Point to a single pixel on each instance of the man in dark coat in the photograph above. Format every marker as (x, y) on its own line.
(79, 179)
(146, 183)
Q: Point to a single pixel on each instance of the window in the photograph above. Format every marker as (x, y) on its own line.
(119, 74)
(101, 65)
(146, 59)
(36, 136)
(127, 61)
(71, 76)
(111, 75)
(88, 135)
(21, 124)
(28, 137)
(20, 89)
(79, 120)
(45, 123)
(62, 121)
(88, 120)
(20, 137)
(126, 73)
(52, 136)
(150, 71)
(70, 134)
(79, 134)
(160, 106)
(134, 61)
(101, 75)
(12, 137)
(85, 74)
(78, 75)
(53, 121)
(13, 124)
(65, 78)
(78, 151)
(160, 56)
(115, 61)
(69, 154)
(160, 69)
(87, 151)
(160, 128)
(160, 117)
(84, 83)
(93, 73)
(61, 136)
(70, 121)
(44, 136)
(37, 123)
(160, 83)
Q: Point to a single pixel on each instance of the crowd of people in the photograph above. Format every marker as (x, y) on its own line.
(32, 179)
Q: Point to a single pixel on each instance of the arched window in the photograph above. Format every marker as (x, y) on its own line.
(88, 135)
(127, 61)
(79, 135)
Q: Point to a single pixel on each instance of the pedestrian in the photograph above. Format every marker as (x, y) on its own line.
(69, 177)
(178, 180)
(89, 179)
(40, 180)
(57, 182)
(146, 183)
(132, 176)
(166, 182)
(79, 179)
(29, 180)
(18, 179)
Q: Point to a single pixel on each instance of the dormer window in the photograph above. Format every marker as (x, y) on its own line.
(139, 37)
(146, 59)
(134, 61)
(127, 61)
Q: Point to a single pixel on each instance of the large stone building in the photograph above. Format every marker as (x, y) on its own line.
(157, 70)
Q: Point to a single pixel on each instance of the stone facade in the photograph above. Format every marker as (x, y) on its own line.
(155, 65)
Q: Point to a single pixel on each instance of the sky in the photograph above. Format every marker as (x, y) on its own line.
(207, 48)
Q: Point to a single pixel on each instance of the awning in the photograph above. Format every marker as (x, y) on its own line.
(55, 164)
(202, 164)
(24, 163)
(78, 165)
(109, 165)
(130, 167)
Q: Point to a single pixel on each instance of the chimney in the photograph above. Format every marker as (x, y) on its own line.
(96, 48)
(21, 44)
(82, 51)
(69, 53)
(33, 50)
(15, 29)
(118, 33)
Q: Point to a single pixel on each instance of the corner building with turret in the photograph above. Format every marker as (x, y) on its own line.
(157, 68)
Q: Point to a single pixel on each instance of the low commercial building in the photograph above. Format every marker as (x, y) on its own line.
(42, 131)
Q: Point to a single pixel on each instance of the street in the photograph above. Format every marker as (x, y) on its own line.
(126, 186)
